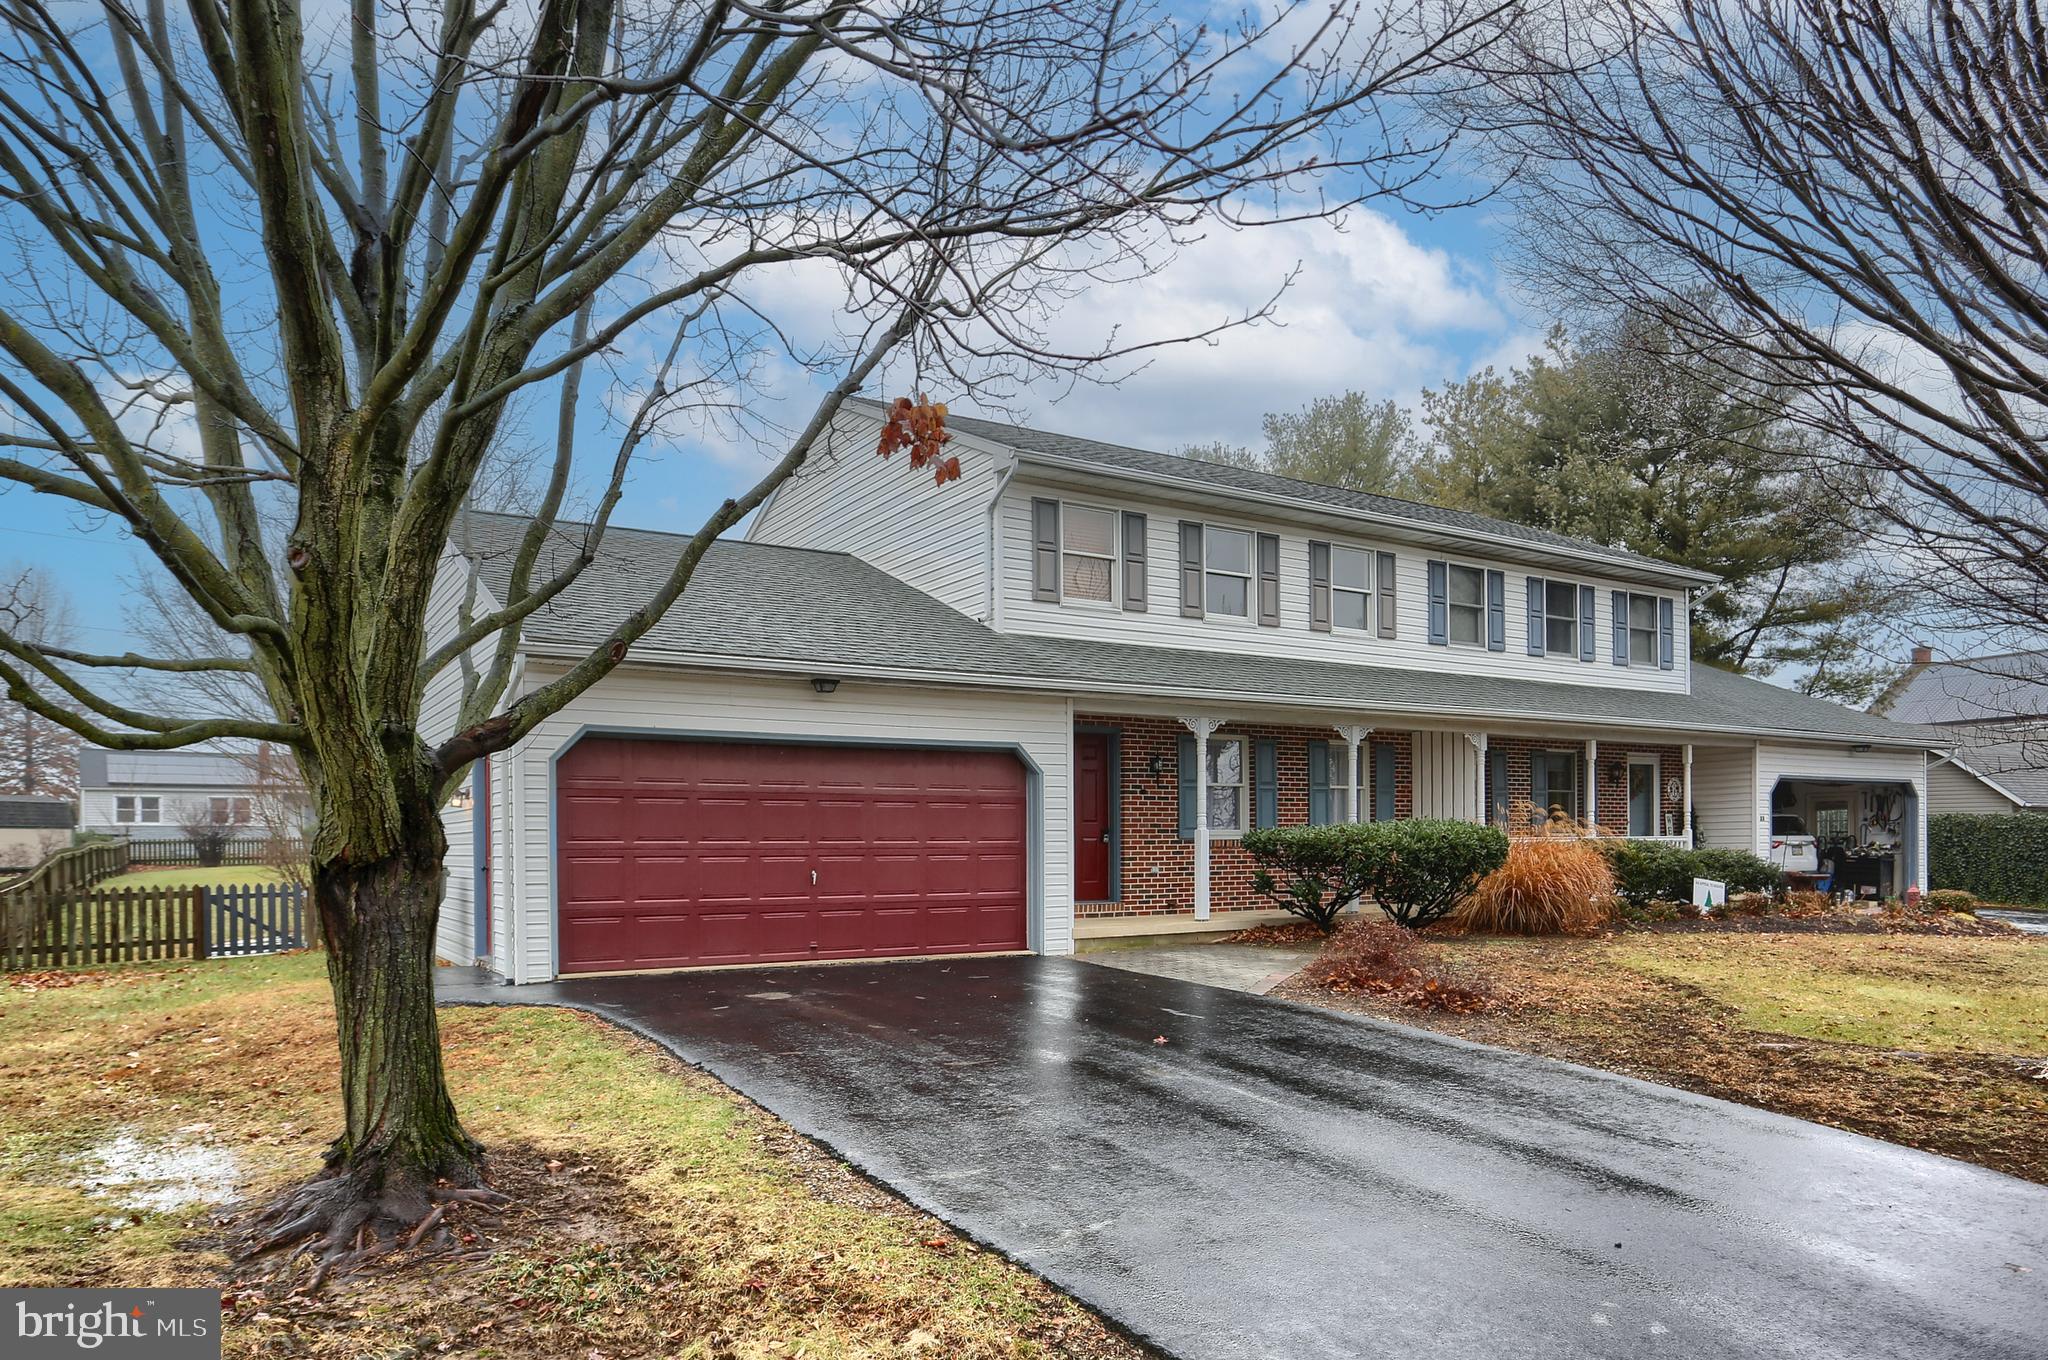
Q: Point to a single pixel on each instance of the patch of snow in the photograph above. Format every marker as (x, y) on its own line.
(157, 1175)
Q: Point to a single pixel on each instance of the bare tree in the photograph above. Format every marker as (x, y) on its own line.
(38, 755)
(600, 207)
(1844, 197)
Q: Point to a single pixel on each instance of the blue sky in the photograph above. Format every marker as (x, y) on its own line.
(1387, 302)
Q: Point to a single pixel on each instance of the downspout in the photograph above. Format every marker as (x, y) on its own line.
(992, 613)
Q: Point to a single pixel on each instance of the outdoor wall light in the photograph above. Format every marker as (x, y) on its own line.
(1155, 765)
(463, 799)
(824, 684)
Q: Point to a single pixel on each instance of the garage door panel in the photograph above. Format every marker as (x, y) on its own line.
(677, 853)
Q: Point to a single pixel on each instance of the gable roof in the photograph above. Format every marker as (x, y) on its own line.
(1074, 451)
(37, 812)
(99, 768)
(1980, 689)
(779, 608)
(2013, 760)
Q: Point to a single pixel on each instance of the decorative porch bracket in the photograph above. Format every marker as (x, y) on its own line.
(1356, 777)
(1203, 728)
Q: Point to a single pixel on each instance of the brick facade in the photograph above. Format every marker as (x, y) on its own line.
(1158, 866)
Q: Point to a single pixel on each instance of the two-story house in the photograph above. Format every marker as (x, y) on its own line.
(1042, 705)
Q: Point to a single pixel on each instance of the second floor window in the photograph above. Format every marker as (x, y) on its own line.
(1087, 554)
(1467, 619)
(1642, 630)
(1227, 559)
(1560, 618)
(1350, 589)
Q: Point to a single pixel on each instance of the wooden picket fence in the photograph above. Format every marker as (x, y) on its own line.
(243, 850)
(65, 929)
(81, 866)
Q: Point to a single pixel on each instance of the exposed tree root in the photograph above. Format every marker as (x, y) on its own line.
(349, 1217)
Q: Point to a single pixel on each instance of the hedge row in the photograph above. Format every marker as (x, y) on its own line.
(1654, 871)
(1999, 857)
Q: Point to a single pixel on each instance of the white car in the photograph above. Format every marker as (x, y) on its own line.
(1792, 850)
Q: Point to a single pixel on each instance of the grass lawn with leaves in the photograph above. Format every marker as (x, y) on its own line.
(1937, 1042)
(221, 876)
(657, 1213)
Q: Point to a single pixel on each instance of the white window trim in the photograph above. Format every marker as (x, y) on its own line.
(1371, 625)
(1656, 764)
(1244, 785)
(1656, 615)
(1576, 650)
(1114, 604)
(1250, 579)
(1449, 606)
(141, 813)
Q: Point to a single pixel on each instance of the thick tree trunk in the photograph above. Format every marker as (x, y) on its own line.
(402, 1156)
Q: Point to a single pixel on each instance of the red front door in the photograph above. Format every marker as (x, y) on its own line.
(1091, 817)
(676, 853)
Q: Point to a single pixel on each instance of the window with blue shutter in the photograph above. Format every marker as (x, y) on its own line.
(1440, 604)
(1588, 643)
(1496, 611)
(1265, 784)
(1497, 786)
(1667, 642)
(1621, 628)
(1535, 586)
(1388, 619)
(1383, 783)
(1187, 786)
(1319, 783)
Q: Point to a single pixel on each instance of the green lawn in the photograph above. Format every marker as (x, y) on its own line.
(222, 876)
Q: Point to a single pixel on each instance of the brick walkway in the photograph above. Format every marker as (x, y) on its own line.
(1235, 967)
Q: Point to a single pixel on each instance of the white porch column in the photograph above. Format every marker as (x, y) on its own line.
(1590, 814)
(1354, 737)
(1478, 740)
(1685, 826)
(1203, 728)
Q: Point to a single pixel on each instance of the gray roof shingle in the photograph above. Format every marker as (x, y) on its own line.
(191, 769)
(1224, 478)
(1986, 689)
(796, 608)
(2012, 756)
(37, 812)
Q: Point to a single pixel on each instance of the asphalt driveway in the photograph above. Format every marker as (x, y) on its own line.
(1279, 1182)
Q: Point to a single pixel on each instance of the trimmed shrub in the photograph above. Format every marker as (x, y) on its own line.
(1423, 869)
(1952, 899)
(2001, 857)
(1550, 885)
(1652, 871)
(1312, 871)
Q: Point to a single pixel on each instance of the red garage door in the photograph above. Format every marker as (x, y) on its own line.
(675, 853)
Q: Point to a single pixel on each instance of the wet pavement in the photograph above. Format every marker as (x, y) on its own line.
(2032, 922)
(1275, 1182)
(1254, 968)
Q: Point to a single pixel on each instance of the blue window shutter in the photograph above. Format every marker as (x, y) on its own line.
(1496, 611)
(1587, 642)
(1535, 587)
(1439, 604)
(1386, 598)
(1190, 569)
(1319, 783)
(1497, 785)
(1383, 783)
(1187, 786)
(1318, 587)
(1621, 628)
(1265, 784)
(1667, 644)
(1045, 550)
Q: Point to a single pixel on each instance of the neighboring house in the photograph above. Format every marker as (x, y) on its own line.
(1027, 709)
(1993, 712)
(32, 827)
(146, 795)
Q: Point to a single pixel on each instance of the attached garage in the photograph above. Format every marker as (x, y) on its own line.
(685, 853)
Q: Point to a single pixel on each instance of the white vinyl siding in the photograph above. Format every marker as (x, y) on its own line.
(1167, 627)
(847, 498)
(1724, 796)
(1953, 789)
(455, 929)
(1449, 777)
(647, 699)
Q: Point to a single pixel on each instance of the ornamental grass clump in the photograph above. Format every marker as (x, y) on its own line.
(1555, 882)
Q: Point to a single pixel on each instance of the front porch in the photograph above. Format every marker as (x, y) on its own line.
(1161, 801)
